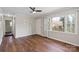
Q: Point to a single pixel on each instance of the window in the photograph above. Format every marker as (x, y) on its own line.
(71, 23)
(58, 23)
(63, 23)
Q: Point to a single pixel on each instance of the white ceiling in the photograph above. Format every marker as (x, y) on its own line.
(28, 12)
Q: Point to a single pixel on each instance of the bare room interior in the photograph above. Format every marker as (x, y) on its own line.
(39, 29)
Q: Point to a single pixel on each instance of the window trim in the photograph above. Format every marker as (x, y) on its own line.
(65, 29)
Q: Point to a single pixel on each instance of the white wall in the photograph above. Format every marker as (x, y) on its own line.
(38, 26)
(61, 36)
(23, 26)
(1, 26)
(33, 26)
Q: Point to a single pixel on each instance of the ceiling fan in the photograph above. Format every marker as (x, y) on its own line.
(34, 10)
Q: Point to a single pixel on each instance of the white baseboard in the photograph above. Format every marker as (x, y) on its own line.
(62, 41)
(65, 41)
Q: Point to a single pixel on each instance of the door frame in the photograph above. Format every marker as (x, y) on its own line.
(13, 23)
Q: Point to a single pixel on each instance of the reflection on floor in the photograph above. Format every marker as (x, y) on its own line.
(35, 43)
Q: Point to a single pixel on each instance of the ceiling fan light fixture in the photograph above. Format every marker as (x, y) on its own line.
(34, 12)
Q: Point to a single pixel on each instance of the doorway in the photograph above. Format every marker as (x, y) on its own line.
(9, 26)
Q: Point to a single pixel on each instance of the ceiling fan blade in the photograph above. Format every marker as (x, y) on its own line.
(32, 8)
(38, 10)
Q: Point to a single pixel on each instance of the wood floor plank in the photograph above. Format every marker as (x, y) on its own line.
(35, 43)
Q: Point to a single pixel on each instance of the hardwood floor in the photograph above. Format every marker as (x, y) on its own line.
(35, 43)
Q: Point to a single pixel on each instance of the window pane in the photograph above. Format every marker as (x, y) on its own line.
(68, 27)
(58, 23)
(73, 28)
(71, 23)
